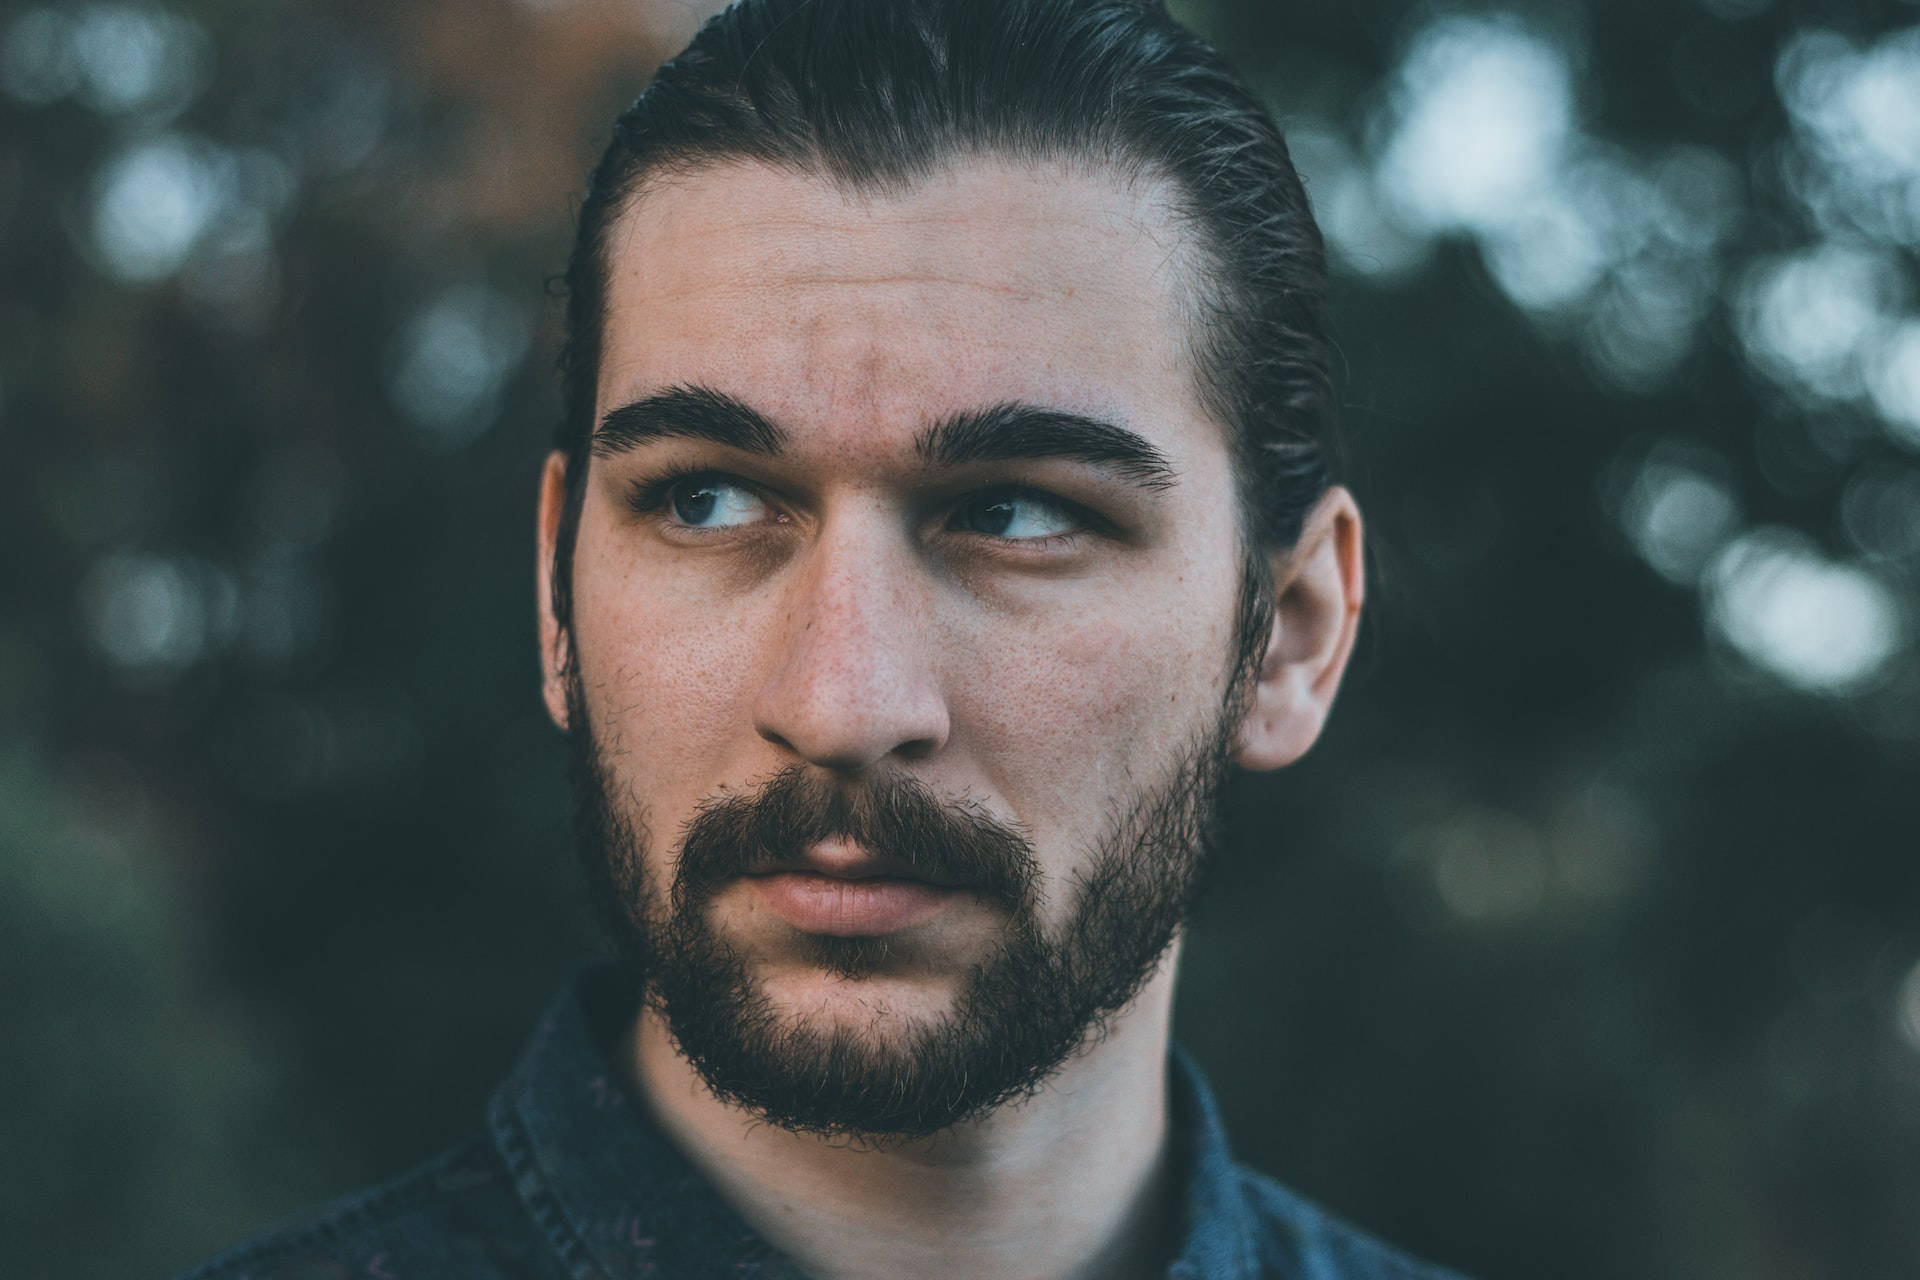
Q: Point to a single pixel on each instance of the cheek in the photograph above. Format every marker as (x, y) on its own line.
(1073, 714)
(667, 681)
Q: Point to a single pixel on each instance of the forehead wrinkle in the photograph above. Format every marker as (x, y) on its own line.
(1149, 209)
(911, 280)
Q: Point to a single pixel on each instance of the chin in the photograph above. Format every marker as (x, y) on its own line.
(855, 994)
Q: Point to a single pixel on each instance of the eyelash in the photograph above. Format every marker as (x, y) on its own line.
(651, 497)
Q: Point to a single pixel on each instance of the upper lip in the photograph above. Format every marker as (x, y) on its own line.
(859, 865)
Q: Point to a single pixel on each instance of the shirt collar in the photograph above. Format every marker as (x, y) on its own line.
(615, 1198)
(612, 1195)
(1217, 1238)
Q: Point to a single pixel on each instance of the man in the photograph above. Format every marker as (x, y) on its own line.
(937, 517)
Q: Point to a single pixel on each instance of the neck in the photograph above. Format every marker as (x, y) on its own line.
(1072, 1182)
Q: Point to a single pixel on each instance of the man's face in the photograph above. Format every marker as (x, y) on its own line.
(915, 535)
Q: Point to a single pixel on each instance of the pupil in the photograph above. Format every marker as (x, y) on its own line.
(694, 505)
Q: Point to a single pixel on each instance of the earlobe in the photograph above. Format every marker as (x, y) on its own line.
(555, 641)
(1319, 586)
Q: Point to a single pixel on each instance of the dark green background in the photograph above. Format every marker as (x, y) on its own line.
(1584, 944)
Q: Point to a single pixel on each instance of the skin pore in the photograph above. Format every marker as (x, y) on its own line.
(1033, 636)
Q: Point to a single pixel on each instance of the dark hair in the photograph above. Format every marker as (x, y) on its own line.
(876, 94)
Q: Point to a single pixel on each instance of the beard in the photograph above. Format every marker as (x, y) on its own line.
(1036, 997)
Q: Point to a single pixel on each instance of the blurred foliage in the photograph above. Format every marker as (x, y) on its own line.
(1584, 946)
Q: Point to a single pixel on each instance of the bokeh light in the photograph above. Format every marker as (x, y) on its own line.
(455, 355)
(1681, 509)
(1821, 624)
(119, 60)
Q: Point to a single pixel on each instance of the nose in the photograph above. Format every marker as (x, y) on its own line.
(856, 680)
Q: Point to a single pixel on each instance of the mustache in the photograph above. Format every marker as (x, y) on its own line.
(895, 816)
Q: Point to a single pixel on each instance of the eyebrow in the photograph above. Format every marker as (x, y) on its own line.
(687, 413)
(1006, 432)
(1014, 431)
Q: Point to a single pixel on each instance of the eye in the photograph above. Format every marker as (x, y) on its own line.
(1017, 517)
(708, 502)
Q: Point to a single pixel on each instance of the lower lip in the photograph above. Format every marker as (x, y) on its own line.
(849, 908)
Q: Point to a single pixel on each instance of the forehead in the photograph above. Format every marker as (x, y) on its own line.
(855, 317)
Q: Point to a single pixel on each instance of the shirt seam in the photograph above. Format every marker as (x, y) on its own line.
(535, 1190)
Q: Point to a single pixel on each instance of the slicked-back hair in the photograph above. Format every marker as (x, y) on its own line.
(875, 95)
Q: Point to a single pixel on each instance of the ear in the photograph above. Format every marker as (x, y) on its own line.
(1318, 586)
(555, 643)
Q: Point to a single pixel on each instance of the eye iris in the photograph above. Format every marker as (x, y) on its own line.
(993, 517)
(694, 504)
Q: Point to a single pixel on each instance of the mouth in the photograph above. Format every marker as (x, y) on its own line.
(840, 890)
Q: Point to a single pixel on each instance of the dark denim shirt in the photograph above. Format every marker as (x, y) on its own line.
(571, 1181)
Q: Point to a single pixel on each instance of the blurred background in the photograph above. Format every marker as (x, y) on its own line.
(1586, 945)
